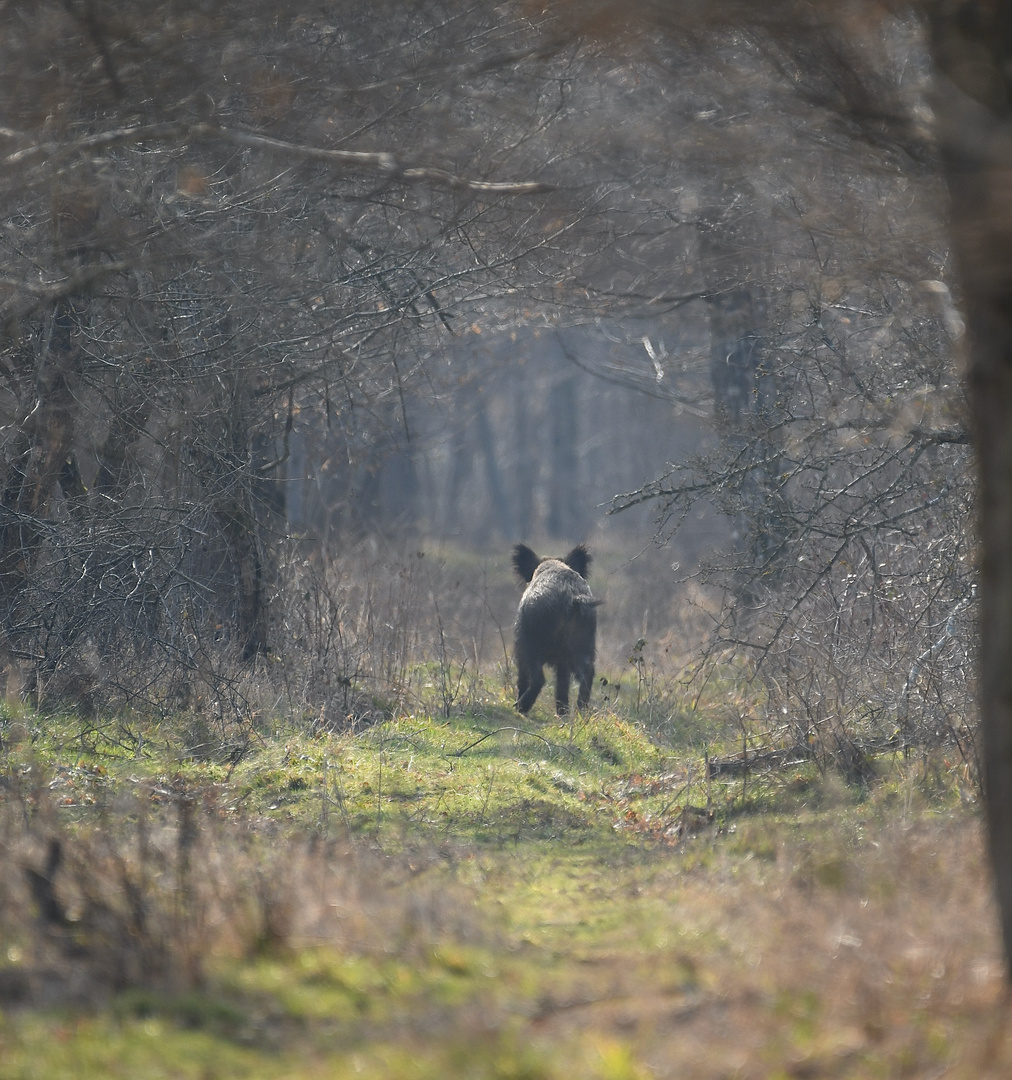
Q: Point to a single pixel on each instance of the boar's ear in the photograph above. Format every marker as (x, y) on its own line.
(525, 562)
(579, 559)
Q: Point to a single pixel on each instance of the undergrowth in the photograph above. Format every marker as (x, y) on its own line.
(466, 892)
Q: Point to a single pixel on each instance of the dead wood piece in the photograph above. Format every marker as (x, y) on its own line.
(736, 764)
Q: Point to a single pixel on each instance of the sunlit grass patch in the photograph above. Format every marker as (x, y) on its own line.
(488, 782)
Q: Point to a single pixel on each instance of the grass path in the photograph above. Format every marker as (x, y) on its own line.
(467, 898)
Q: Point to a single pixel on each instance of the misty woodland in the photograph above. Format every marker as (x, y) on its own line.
(317, 323)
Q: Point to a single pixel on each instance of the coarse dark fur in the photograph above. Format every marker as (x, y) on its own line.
(556, 625)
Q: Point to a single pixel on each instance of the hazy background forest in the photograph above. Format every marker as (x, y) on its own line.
(294, 296)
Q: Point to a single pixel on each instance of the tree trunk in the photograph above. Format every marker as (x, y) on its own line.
(742, 372)
(972, 45)
(525, 459)
(493, 476)
(113, 473)
(239, 528)
(564, 517)
(45, 448)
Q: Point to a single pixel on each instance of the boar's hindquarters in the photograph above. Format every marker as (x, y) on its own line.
(557, 628)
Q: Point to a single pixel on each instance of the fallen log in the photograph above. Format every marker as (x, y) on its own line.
(751, 760)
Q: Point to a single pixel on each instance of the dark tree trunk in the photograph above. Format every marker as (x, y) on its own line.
(127, 425)
(493, 475)
(742, 371)
(525, 458)
(239, 528)
(972, 44)
(564, 517)
(44, 458)
(736, 353)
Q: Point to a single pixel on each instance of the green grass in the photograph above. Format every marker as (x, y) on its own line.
(486, 895)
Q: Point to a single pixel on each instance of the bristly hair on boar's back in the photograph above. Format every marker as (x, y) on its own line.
(556, 625)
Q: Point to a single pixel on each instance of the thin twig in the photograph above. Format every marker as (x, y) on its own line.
(518, 731)
(394, 166)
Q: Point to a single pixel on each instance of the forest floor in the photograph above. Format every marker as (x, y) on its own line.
(485, 896)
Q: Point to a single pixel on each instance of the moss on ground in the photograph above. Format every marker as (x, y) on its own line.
(485, 896)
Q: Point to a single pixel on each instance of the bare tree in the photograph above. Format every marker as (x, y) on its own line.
(212, 237)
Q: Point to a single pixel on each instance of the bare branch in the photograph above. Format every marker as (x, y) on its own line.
(394, 166)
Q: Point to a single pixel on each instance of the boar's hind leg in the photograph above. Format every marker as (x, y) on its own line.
(561, 690)
(585, 677)
(530, 679)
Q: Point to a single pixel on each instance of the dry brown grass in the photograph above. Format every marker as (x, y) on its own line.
(809, 962)
(160, 888)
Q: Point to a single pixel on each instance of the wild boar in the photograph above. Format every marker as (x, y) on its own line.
(556, 625)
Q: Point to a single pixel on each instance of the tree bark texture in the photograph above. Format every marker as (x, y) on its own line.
(972, 45)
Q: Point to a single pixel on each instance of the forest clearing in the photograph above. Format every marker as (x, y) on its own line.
(485, 895)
